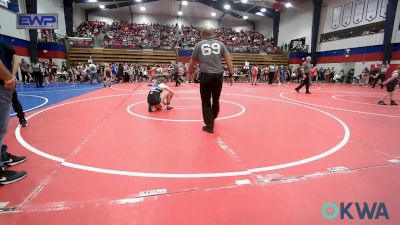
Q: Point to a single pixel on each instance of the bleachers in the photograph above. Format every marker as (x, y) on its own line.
(258, 59)
(105, 55)
(150, 57)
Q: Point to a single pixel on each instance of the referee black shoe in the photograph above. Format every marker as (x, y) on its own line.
(208, 129)
(150, 109)
(9, 176)
(23, 122)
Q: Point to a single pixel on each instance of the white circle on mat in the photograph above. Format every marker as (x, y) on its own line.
(282, 95)
(63, 162)
(337, 97)
(46, 100)
(242, 110)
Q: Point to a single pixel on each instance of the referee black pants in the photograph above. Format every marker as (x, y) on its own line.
(176, 79)
(17, 106)
(38, 79)
(306, 82)
(210, 89)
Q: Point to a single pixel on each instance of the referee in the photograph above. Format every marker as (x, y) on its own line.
(208, 54)
(307, 67)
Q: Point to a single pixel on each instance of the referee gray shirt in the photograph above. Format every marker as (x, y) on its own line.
(209, 53)
(307, 67)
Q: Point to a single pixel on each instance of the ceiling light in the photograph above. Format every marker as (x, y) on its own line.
(227, 6)
(142, 8)
(213, 14)
(138, 0)
(180, 13)
(263, 10)
(92, 1)
(244, 1)
(288, 5)
(245, 17)
(102, 6)
(184, 2)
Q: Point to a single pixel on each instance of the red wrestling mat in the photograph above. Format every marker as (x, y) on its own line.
(276, 157)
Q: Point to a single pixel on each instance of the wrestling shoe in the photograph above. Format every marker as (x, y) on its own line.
(393, 102)
(297, 90)
(169, 107)
(308, 92)
(381, 103)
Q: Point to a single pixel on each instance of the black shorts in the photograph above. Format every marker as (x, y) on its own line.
(154, 98)
(391, 85)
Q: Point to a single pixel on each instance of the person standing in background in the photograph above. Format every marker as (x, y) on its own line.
(391, 84)
(37, 73)
(24, 71)
(175, 73)
(254, 74)
(307, 69)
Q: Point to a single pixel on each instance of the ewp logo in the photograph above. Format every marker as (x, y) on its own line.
(37, 21)
(364, 211)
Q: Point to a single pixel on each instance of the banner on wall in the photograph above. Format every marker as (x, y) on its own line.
(37, 21)
(383, 8)
(336, 17)
(10, 4)
(372, 9)
(358, 15)
(347, 9)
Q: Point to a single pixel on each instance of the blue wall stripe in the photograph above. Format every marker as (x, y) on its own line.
(51, 46)
(14, 41)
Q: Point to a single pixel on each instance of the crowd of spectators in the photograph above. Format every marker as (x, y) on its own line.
(155, 36)
(89, 29)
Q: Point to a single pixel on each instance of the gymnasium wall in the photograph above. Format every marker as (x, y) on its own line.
(53, 6)
(396, 27)
(265, 27)
(359, 52)
(8, 22)
(9, 34)
(296, 23)
(79, 15)
(354, 42)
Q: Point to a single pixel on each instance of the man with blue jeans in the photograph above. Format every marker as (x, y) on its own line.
(7, 86)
